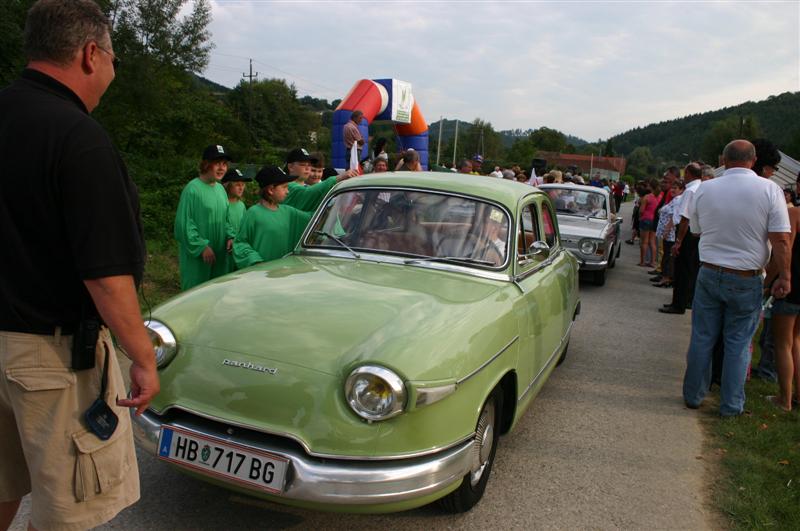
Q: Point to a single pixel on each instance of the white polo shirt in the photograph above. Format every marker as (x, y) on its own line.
(733, 215)
(684, 209)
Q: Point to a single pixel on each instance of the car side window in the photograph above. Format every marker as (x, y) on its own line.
(528, 233)
(550, 234)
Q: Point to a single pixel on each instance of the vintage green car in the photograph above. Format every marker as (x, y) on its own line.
(372, 369)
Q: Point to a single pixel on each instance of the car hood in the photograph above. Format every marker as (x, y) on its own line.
(331, 314)
(580, 227)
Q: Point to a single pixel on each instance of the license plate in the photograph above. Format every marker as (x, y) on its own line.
(212, 456)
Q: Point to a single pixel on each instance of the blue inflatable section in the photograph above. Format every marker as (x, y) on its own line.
(340, 118)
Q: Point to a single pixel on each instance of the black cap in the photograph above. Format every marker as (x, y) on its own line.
(298, 155)
(235, 175)
(215, 152)
(272, 175)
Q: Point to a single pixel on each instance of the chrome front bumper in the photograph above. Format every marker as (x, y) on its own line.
(331, 481)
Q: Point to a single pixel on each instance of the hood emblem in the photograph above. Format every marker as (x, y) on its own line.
(249, 366)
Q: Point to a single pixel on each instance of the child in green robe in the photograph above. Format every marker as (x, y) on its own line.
(234, 183)
(201, 223)
(269, 229)
(302, 197)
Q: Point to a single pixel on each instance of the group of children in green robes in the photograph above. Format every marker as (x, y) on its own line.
(216, 233)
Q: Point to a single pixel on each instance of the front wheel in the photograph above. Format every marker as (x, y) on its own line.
(469, 493)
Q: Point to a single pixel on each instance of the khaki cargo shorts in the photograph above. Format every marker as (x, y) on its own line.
(76, 480)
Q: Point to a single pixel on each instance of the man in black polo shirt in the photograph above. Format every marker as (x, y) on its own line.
(74, 252)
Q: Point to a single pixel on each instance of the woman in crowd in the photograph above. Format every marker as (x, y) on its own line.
(201, 222)
(786, 326)
(647, 213)
(666, 231)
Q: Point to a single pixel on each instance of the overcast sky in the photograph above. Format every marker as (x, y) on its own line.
(591, 69)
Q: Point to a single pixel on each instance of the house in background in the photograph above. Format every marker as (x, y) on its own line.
(610, 168)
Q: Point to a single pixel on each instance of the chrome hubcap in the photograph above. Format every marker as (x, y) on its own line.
(484, 440)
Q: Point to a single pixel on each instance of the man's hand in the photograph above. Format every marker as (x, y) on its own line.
(229, 246)
(208, 256)
(144, 386)
(781, 288)
(115, 299)
(676, 248)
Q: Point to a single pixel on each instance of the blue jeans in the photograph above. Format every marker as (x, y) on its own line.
(766, 369)
(727, 304)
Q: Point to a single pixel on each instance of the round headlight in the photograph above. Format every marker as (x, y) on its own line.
(587, 246)
(375, 393)
(163, 340)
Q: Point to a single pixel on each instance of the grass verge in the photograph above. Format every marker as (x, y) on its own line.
(759, 455)
(161, 275)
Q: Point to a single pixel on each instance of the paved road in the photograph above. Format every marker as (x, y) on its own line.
(607, 444)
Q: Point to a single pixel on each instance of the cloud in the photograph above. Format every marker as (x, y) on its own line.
(589, 69)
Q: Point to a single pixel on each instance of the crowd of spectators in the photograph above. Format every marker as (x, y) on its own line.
(723, 246)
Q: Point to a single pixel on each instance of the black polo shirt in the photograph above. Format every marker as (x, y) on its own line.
(69, 212)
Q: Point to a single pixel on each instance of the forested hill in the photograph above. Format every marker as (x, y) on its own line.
(698, 135)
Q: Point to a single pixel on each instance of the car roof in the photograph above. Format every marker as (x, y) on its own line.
(570, 186)
(501, 191)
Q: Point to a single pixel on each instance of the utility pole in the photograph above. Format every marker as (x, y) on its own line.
(439, 146)
(455, 144)
(251, 76)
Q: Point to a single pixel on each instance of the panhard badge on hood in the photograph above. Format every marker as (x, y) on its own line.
(249, 365)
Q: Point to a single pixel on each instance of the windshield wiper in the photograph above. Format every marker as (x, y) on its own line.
(340, 242)
(464, 259)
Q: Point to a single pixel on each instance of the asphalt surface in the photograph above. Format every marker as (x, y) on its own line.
(606, 445)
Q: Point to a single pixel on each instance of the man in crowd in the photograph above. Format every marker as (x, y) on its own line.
(76, 241)
(684, 249)
(464, 166)
(734, 216)
(767, 159)
(477, 163)
(352, 135)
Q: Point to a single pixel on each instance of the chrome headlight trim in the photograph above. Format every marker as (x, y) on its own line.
(357, 384)
(165, 346)
(587, 246)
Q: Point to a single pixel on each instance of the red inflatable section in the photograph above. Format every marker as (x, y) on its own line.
(364, 96)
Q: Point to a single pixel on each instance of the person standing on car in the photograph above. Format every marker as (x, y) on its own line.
(75, 254)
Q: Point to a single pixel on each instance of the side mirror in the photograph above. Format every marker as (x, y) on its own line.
(540, 248)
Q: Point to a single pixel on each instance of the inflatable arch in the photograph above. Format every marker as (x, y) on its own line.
(381, 99)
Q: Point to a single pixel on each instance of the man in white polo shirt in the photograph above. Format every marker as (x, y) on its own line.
(734, 216)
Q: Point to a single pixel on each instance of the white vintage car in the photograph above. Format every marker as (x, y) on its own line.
(589, 226)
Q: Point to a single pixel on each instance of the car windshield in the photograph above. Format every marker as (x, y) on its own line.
(578, 202)
(420, 224)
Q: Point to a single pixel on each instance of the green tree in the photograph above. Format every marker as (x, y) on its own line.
(641, 163)
(12, 20)
(608, 150)
(723, 131)
(274, 114)
(547, 139)
(482, 139)
(153, 28)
